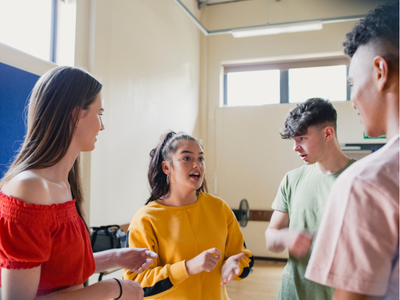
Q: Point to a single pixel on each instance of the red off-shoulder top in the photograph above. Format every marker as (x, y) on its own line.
(51, 236)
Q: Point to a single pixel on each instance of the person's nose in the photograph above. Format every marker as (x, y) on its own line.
(296, 147)
(196, 164)
(101, 125)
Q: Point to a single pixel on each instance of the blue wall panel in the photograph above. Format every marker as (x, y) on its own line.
(15, 88)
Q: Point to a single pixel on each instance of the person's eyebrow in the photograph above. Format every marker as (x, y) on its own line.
(186, 151)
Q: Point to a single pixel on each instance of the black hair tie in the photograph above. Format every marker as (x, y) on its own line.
(120, 289)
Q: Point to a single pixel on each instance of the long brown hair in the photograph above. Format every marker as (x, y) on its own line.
(167, 146)
(52, 123)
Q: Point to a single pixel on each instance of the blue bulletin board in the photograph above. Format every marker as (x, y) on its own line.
(15, 88)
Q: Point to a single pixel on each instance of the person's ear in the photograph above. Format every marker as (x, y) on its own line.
(329, 133)
(165, 167)
(78, 113)
(74, 114)
(381, 72)
(74, 117)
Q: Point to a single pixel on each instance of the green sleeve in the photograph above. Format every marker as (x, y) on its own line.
(281, 201)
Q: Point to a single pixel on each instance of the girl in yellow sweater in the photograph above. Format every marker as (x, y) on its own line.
(196, 235)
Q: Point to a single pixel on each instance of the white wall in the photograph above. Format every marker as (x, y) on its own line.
(147, 54)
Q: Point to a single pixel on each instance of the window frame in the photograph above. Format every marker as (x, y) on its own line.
(50, 32)
(53, 33)
(283, 67)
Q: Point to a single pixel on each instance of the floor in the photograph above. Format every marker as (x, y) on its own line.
(263, 283)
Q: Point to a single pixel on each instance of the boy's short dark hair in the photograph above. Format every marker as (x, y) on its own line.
(380, 27)
(313, 112)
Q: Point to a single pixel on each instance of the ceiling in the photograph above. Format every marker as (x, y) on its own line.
(221, 1)
(211, 2)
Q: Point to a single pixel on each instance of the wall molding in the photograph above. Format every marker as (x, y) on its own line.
(21, 60)
(260, 215)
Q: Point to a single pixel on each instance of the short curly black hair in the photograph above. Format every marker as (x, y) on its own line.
(313, 112)
(380, 26)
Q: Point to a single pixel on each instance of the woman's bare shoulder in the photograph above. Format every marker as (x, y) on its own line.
(29, 187)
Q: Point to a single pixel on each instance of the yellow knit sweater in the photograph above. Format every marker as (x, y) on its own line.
(178, 234)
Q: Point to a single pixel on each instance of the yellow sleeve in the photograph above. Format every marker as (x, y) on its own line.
(235, 244)
(157, 280)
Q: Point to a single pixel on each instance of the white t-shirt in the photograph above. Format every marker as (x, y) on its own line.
(357, 246)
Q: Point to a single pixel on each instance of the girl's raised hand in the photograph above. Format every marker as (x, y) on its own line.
(136, 259)
(205, 261)
(231, 268)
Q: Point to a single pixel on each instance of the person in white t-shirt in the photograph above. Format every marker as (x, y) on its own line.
(357, 247)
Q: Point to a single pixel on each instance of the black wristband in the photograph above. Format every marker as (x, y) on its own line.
(120, 289)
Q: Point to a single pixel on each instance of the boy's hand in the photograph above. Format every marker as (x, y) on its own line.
(299, 243)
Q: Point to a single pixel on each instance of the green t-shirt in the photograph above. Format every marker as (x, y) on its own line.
(303, 194)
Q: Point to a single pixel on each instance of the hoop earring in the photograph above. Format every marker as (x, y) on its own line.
(167, 180)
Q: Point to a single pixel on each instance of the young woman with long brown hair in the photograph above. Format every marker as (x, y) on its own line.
(44, 243)
(195, 234)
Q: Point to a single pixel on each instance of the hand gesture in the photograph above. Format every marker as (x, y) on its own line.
(205, 261)
(136, 259)
(299, 243)
(231, 268)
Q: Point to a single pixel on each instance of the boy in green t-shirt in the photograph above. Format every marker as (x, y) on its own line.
(303, 192)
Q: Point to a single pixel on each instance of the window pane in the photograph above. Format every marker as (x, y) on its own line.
(324, 82)
(253, 88)
(26, 25)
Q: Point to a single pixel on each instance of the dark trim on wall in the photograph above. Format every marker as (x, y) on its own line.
(260, 215)
(273, 259)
